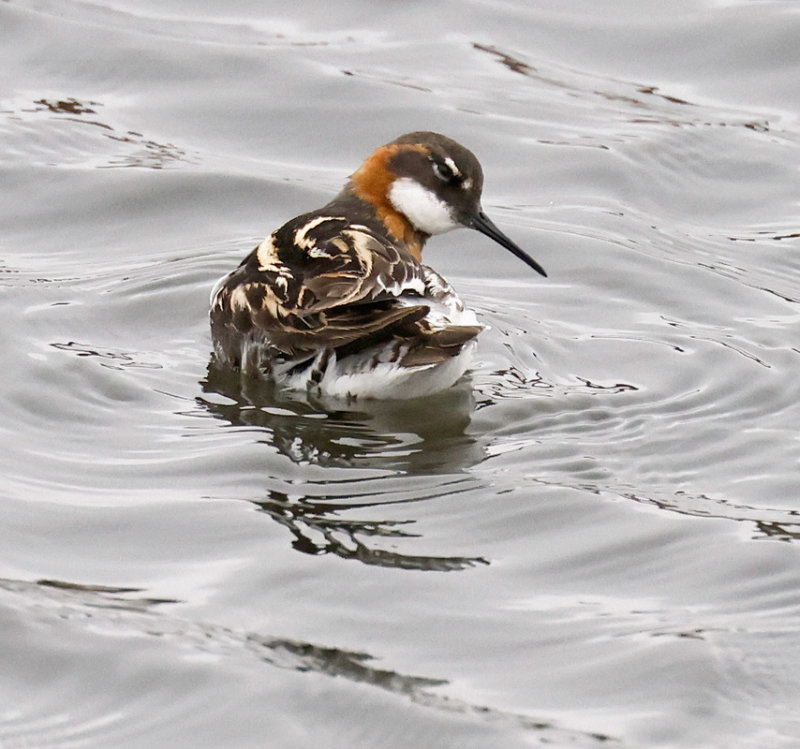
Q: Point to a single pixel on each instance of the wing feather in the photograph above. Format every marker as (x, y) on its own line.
(319, 281)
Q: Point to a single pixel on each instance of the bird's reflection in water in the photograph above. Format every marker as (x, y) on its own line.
(392, 452)
(319, 526)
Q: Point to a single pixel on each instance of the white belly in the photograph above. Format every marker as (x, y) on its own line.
(361, 377)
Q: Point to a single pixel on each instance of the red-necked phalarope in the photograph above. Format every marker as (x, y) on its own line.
(338, 302)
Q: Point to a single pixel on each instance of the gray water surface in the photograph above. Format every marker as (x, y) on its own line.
(590, 542)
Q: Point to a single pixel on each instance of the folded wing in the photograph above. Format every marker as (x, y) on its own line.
(322, 282)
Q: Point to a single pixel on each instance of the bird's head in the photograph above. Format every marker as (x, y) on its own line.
(424, 183)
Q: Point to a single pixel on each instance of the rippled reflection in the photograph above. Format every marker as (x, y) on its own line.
(407, 440)
(426, 435)
(317, 527)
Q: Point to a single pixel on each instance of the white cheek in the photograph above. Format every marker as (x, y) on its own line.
(421, 206)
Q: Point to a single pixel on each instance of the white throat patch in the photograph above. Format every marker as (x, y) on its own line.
(421, 206)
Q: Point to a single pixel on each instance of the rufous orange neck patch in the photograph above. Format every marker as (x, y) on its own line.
(371, 183)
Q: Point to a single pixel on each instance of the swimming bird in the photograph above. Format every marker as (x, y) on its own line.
(337, 301)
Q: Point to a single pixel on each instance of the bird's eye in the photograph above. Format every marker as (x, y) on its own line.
(443, 171)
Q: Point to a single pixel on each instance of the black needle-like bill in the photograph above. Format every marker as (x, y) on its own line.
(482, 223)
